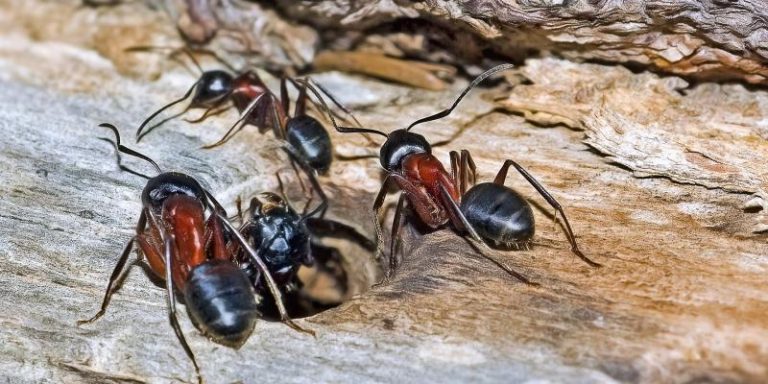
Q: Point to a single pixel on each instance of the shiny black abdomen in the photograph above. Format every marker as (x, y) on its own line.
(212, 88)
(167, 184)
(221, 302)
(311, 140)
(498, 214)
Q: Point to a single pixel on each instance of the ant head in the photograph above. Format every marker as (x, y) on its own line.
(167, 184)
(268, 203)
(281, 234)
(401, 143)
(212, 87)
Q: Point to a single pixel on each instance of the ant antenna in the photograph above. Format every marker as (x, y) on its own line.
(473, 84)
(123, 149)
(159, 111)
(327, 110)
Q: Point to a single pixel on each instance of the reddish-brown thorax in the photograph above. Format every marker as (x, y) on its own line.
(193, 238)
(427, 170)
(184, 219)
(246, 88)
(421, 178)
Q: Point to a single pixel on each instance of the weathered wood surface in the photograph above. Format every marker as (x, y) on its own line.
(709, 39)
(682, 297)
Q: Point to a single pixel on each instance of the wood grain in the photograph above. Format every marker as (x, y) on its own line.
(681, 298)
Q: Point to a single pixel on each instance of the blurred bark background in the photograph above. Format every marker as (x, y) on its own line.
(648, 120)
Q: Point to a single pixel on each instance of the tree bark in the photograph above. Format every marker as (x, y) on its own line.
(708, 40)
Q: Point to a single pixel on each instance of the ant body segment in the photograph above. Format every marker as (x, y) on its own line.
(180, 233)
(218, 90)
(287, 239)
(215, 91)
(489, 213)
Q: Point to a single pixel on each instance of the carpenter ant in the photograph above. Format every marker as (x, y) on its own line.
(190, 252)
(490, 213)
(258, 106)
(288, 240)
(306, 137)
(213, 91)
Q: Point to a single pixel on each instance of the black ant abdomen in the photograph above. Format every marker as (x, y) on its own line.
(221, 302)
(166, 184)
(312, 142)
(499, 215)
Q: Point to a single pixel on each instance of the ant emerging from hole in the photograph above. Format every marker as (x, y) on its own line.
(489, 213)
(289, 241)
(217, 90)
(181, 235)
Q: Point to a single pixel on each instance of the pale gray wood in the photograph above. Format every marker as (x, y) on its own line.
(682, 297)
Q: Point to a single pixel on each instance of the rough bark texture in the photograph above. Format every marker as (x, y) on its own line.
(682, 297)
(708, 39)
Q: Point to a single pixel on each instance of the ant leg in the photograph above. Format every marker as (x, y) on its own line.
(189, 55)
(284, 100)
(238, 125)
(174, 52)
(337, 229)
(314, 86)
(116, 272)
(171, 303)
(305, 210)
(213, 54)
(394, 240)
(139, 134)
(301, 181)
(377, 204)
(502, 175)
(273, 288)
(214, 204)
(212, 111)
(285, 195)
(323, 206)
(455, 167)
(239, 207)
(469, 164)
(474, 239)
(320, 103)
(215, 239)
(301, 101)
(330, 114)
(279, 120)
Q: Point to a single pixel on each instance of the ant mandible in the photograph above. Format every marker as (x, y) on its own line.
(190, 252)
(490, 213)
